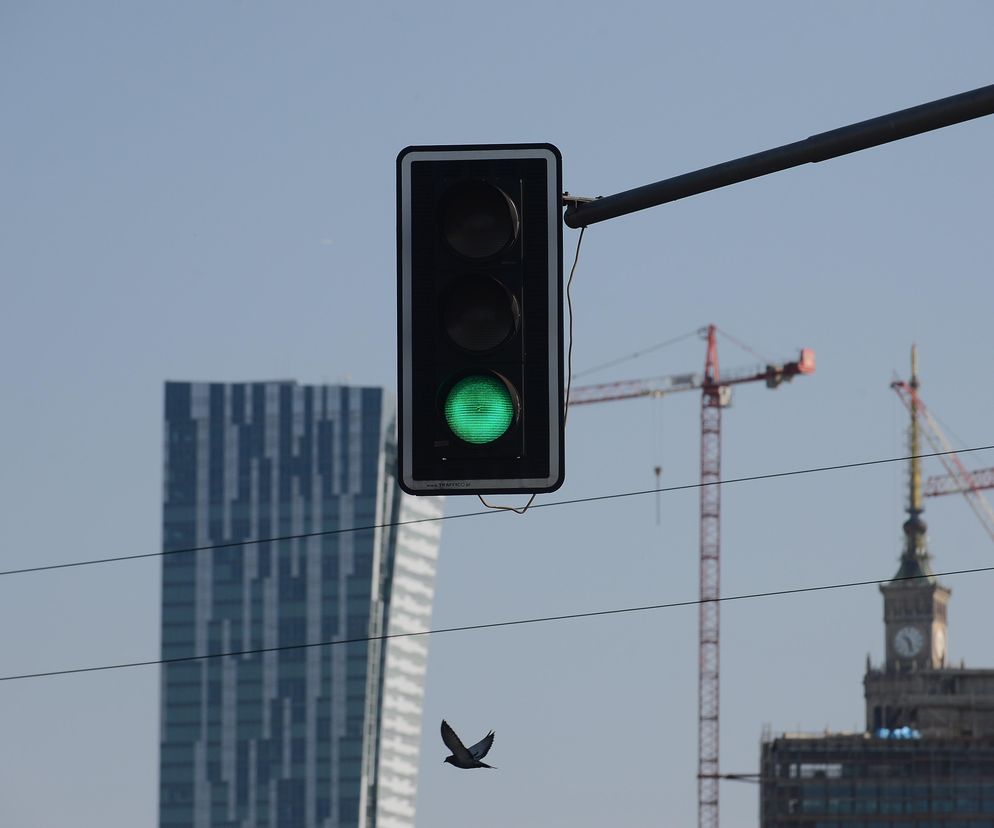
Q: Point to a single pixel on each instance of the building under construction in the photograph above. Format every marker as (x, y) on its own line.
(859, 779)
(926, 757)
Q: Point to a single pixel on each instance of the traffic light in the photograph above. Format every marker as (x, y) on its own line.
(480, 335)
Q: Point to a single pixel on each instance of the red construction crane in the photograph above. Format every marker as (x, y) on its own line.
(958, 479)
(715, 395)
(942, 484)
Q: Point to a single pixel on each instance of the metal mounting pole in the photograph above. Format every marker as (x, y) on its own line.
(842, 141)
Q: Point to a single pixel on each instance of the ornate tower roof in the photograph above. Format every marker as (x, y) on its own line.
(916, 563)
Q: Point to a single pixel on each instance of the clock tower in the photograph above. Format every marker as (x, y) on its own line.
(914, 601)
(916, 690)
(914, 608)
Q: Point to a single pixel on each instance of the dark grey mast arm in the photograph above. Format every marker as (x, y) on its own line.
(863, 135)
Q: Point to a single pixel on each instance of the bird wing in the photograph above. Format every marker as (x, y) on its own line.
(482, 748)
(452, 743)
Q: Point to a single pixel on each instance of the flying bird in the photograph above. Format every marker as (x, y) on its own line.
(463, 757)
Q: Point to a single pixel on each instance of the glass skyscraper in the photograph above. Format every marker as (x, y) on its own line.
(315, 737)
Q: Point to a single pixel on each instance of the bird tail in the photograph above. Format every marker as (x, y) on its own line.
(485, 765)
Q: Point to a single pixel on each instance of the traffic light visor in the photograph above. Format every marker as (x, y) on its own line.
(480, 408)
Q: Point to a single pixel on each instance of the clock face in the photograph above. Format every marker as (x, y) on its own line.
(908, 642)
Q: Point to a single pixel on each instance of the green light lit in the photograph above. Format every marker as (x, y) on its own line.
(479, 409)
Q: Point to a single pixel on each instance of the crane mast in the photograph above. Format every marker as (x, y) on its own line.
(710, 590)
(715, 395)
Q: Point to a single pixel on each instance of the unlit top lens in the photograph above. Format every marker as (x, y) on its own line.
(478, 219)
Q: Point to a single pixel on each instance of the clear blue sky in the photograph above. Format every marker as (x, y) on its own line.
(206, 191)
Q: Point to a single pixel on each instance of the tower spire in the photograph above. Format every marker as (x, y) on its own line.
(914, 440)
(915, 561)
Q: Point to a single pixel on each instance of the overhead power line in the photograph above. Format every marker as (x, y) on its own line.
(492, 625)
(479, 513)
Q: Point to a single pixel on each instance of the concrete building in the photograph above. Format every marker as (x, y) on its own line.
(926, 757)
(844, 780)
(283, 734)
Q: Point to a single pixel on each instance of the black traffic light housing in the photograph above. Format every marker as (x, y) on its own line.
(480, 334)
